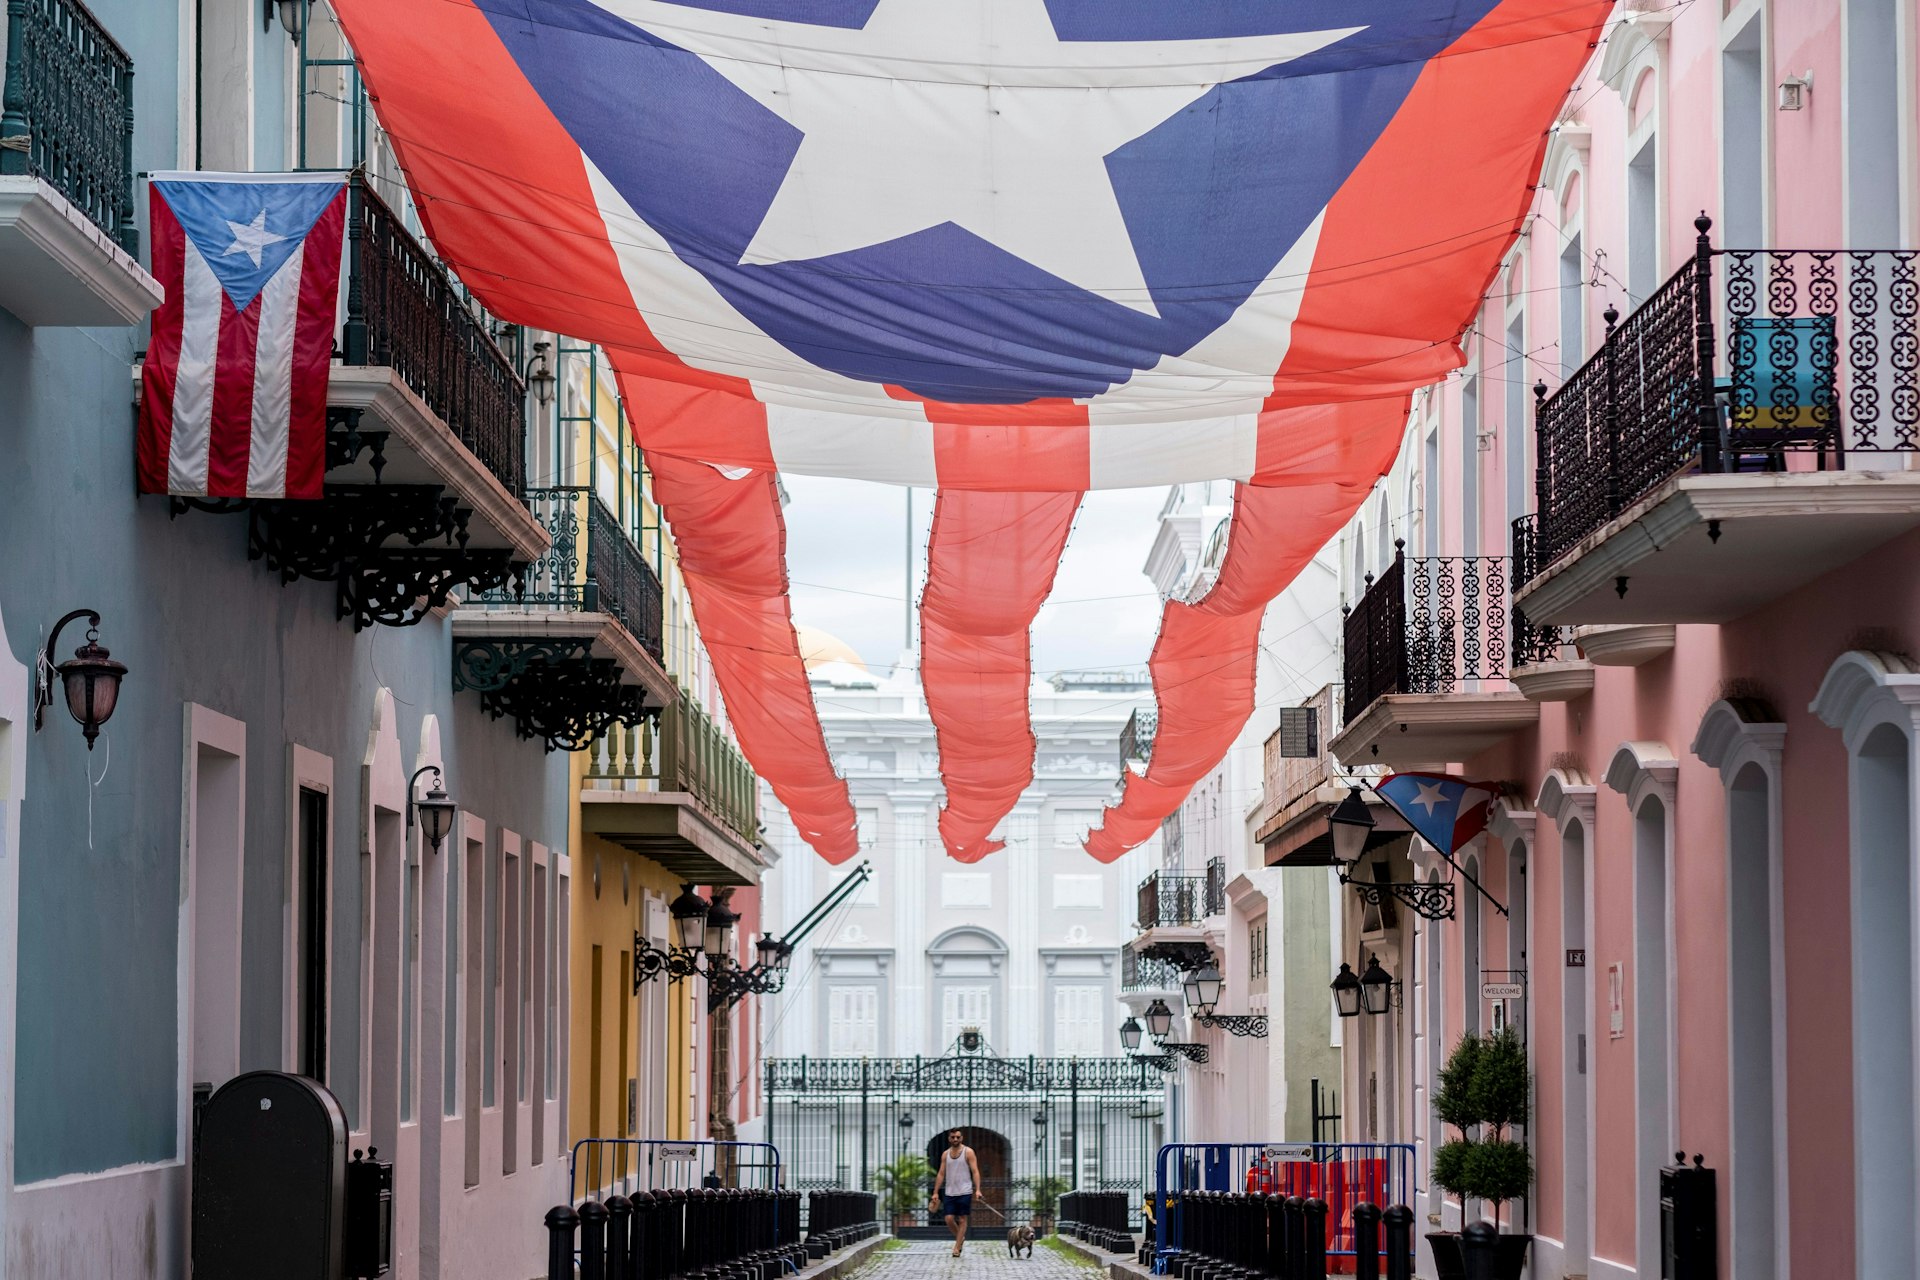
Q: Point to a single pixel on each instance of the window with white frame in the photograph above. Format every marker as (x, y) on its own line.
(962, 1007)
(1079, 893)
(853, 1021)
(1077, 1024)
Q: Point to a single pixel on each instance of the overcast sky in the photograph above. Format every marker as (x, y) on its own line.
(847, 552)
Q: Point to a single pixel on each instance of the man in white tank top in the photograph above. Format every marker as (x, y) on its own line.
(955, 1184)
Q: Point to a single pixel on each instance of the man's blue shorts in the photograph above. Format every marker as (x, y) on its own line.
(957, 1206)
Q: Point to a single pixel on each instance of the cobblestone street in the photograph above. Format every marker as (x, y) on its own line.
(985, 1259)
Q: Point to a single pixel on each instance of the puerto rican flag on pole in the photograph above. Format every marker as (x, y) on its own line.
(233, 395)
(1445, 810)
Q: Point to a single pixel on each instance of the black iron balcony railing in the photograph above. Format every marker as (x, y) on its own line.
(1532, 643)
(1136, 737)
(66, 111)
(590, 565)
(1432, 624)
(1216, 892)
(1138, 973)
(1169, 900)
(407, 313)
(688, 752)
(1819, 358)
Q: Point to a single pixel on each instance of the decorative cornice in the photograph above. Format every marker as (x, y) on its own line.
(1864, 689)
(1511, 823)
(1736, 732)
(1644, 768)
(1567, 795)
(1635, 34)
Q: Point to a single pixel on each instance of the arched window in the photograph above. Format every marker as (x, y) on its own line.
(1874, 700)
(968, 972)
(1568, 801)
(1646, 774)
(1742, 739)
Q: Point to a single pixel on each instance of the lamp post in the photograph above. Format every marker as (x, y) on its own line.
(1203, 990)
(721, 918)
(1130, 1035)
(435, 808)
(1350, 825)
(1159, 1019)
(90, 678)
(689, 912)
(1376, 987)
(1346, 991)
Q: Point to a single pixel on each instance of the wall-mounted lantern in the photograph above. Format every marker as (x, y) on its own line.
(90, 678)
(435, 808)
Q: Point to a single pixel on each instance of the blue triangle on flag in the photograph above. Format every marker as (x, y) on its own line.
(246, 231)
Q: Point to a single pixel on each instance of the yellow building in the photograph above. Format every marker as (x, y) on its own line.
(660, 801)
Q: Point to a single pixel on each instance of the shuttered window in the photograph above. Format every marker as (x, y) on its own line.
(1077, 1022)
(963, 1007)
(853, 1022)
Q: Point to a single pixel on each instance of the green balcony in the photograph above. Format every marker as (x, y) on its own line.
(68, 242)
(681, 794)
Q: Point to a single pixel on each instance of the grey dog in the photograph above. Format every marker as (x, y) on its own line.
(1019, 1238)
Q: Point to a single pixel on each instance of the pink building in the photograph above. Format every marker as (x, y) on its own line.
(1706, 721)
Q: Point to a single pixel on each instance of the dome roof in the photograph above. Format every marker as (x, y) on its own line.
(819, 649)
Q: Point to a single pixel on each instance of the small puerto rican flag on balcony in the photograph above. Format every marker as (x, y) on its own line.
(233, 395)
(1445, 810)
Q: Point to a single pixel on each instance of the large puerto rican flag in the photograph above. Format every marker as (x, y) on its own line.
(233, 397)
(1008, 248)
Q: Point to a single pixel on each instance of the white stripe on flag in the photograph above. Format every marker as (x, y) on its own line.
(1136, 455)
(273, 382)
(807, 442)
(193, 382)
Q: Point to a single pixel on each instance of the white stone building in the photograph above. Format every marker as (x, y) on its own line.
(1024, 944)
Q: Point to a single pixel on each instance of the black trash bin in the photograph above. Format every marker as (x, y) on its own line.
(269, 1181)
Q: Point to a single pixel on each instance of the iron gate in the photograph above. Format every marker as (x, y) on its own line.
(1039, 1126)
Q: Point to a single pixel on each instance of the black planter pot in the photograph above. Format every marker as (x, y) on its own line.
(1509, 1259)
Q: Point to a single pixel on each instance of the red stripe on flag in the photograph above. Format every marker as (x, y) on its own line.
(1053, 458)
(231, 437)
(990, 564)
(313, 352)
(732, 551)
(161, 366)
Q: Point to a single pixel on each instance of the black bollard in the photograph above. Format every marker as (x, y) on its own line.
(1296, 1238)
(1397, 1221)
(1366, 1241)
(593, 1241)
(1275, 1207)
(1479, 1251)
(561, 1221)
(1314, 1261)
(619, 1237)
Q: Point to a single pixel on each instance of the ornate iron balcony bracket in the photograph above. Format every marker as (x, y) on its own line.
(650, 962)
(1187, 957)
(730, 985)
(1429, 901)
(1239, 1024)
(554, 689)
(1196, 1053)
(1161, 1062)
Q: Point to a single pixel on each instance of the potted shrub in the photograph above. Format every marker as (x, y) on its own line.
(1043, 1192)
(903, 1185)
(1483, 1093)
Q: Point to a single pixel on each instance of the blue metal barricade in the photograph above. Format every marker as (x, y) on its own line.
(1344, 1174)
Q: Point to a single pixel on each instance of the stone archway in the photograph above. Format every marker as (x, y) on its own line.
(993, 1153)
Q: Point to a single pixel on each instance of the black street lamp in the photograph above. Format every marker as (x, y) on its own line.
(1203, 990)
(719, 932)
(1159, 1019)
(1376, 987)
(689, 912)
(1130, 1035)
(435, 808)
(90, 678)
(1346, 992)
(1349, 825)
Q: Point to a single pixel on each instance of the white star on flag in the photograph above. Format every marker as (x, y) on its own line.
(900, 133)
(1430, 795)
(251, 237)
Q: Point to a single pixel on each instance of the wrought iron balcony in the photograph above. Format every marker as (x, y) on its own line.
(1136, 737)
(1138, 973)
(1429, 625)
(1744, 377)
(66, 111)
(405, 312)
(576, 646)
(1172, 901)
(688, 753)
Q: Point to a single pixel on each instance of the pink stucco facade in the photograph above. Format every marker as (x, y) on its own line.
(1710, 821)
